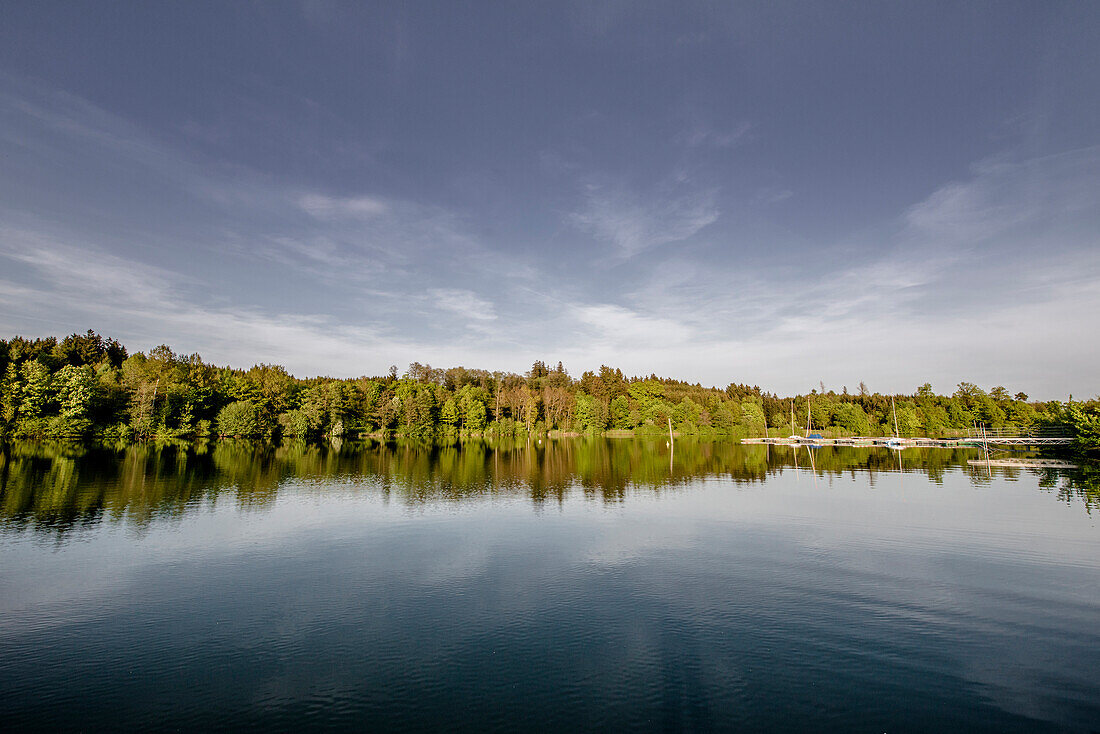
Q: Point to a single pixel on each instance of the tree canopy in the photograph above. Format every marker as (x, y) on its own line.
(87, 385)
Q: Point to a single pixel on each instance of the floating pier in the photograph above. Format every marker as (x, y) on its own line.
(868, 441)
(979, 438)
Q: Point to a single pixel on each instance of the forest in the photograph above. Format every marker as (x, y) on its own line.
(88, 386)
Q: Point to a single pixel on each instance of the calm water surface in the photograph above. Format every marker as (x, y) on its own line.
(573, 585)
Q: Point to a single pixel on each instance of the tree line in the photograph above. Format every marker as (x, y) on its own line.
(85, 385)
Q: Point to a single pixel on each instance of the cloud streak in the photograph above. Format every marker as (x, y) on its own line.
(699, 135)
(333, 207)
(463, 303)
(634, 224)
(1002, 196)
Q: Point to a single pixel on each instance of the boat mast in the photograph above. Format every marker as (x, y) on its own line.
(895, 409)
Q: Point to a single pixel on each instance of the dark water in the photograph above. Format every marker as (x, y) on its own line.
(579, 585)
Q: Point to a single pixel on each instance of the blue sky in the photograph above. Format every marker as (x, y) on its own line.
(780, 194)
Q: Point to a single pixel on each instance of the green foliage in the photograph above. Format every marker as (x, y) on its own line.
(11, 395)
(239, 419)
(752, 416)
(852, 418)
(908, 421)
(1084, 421)
(449, 414)
(295, 423)
(470, 401)
(75, 389)
(620, 413)
(36, 391)
(586, 413)
(475, 415)
(532, 408)
(1088, 435)
(86, 384)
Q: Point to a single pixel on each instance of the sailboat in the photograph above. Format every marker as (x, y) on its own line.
(810, 435)
(895, 442)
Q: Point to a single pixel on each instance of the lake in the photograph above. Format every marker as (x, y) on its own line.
(583, 584)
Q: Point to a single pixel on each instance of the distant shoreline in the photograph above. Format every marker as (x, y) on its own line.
(85, 386)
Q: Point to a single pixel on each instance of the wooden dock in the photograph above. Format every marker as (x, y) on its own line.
(979, 438)
(869, 441)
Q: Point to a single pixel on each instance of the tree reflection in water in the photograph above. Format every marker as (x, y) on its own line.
(55, 487)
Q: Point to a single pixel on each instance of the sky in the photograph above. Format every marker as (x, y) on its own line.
(780, 194)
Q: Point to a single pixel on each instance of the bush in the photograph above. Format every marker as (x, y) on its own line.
(294, 423)
(62, 427)
(238, 419)
(117, 433)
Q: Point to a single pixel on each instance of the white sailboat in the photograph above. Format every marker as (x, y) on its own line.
(895, 442)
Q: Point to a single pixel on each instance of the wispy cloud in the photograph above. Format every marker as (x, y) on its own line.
(623, 326)
(70, 269)
(1009, 254)
(701, 135)
(876, 322)
(635, 223)
(1003, 195)
(331, 207)
(60, 285)
(464, 303)
(772, 195)
(84, 285)
(344, 276)
(329, 236)
(73, 117)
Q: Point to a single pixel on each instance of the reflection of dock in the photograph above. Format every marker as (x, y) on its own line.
(1023, 463)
